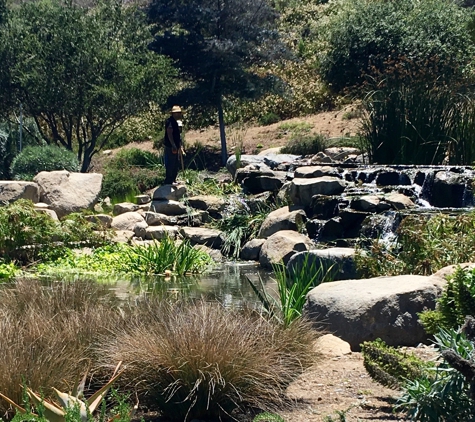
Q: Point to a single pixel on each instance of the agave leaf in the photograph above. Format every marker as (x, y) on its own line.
(52, 412)
(78, 389)
(69, 401)
(97, 397)
(11, 402)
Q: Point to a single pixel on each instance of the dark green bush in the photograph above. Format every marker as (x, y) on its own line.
(130, 172)
(390, 366)
(34, 159)
(403, 41)
(27, 234)
(456, 302)
(305, 144)
(423, 246)
(269, 118)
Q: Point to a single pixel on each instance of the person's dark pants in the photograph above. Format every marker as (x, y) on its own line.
(171, 166)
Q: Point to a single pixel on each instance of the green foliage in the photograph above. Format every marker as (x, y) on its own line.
(423, 246)
(305, 144)
(441, 393)
(33, 159)
(82, 73)
(166, 351)
(390, 366)
(167, 256)
(268, 119)
(241, 224)
(268, 417)
(7, 271)
(164, 257)
(419, 124)
(292, 289)
(403, 41)
(456, 302)
(130, 172)
(202, 183)
(27, 234)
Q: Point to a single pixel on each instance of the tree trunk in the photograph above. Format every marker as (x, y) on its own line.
(222, 134)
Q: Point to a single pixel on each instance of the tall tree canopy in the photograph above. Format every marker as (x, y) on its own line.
(80, 73)
(214, 43)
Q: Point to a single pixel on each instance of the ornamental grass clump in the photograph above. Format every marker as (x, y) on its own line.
(47, 334)
(202, 361)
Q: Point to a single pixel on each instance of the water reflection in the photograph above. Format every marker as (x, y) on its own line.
(226, 284)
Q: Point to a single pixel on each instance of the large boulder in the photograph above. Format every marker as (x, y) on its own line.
(281, 246)
(127, 221)
(215, 205)
(168, 207)
(11, 191)
(367, 309)
(451, 190)
(251, 250)
(285, 218)
(302, 190)
(203, 236)
(310, 172)
(338, 262)
(67, 192)
(271, 160)
(169, 192)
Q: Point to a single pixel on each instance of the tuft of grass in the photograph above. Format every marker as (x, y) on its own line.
(48, 332)
(305, 144)
(202, 361)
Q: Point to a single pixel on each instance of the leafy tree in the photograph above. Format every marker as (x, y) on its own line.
(81, 73)
(214, 43)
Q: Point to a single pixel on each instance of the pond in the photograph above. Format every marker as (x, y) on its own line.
(227, 284)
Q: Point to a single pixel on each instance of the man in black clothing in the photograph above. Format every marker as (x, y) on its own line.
(173, 146)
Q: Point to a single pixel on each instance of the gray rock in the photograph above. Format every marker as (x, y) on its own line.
(271, 160)
(281, 246)
(302, 190)
(202, 236)
(212, 204)
(11, 191)
(398, 201)
(311, 172)
(67, 192)
(250, 251)
(157, 219)
(341, 153)
(382, 307)
(285, 218)
(102, 220)
(126, 221)
(124, 207)
(140, 229)
(169, 192)
(168, 207)
(161, 232)
(336, 263)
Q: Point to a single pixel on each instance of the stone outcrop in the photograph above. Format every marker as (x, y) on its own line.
(335, 263)
(303, 190)
(203, 236)
(367, 309)
(281, 246)
(11, 191)
(67, 192)
(285, 218)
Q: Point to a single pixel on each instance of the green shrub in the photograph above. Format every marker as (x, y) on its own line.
(423, 246)
(268, 119)
(403, 41)
(27, 235)
(130, 172)
(34, 159)
(390, 366)
(441, 393)
(7, 271)
(202, 361)
(456, 302)
(305, 144)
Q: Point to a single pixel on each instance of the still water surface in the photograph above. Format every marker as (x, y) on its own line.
(228, 284)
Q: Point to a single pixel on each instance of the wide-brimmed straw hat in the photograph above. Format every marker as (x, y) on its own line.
(176, 109)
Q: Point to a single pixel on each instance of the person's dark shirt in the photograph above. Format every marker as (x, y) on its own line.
(171, 122)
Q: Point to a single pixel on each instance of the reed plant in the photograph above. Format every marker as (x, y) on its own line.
(167, 256)
(418, 124)
(48, 333)
(202, 361)
(292, 289)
